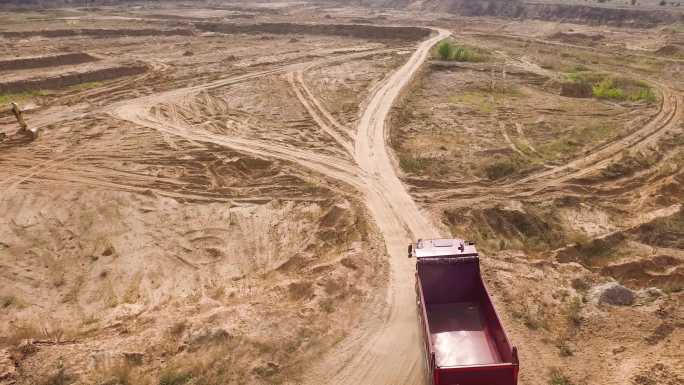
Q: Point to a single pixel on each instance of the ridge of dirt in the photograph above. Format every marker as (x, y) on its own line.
(97, 33)
(46, 61)
(72, 78)
(351, 30)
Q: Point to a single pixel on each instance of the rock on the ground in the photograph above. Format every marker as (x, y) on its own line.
(614, 294)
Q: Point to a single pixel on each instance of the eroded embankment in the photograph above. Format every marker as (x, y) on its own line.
(574, 13)
(96, 32)
(72, 78)
(352, 30)
(45, 61)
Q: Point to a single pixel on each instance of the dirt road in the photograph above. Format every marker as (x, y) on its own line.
(380, 352)
(386, 353)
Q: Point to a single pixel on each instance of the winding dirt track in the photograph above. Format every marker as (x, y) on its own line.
(666, 120)
(384, 351)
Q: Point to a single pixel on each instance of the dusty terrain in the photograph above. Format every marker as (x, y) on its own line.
(224, 194)
(564, 194)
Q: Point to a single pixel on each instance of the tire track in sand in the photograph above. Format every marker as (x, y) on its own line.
(384, 350)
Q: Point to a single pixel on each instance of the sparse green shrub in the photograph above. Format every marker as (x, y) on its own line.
(19, 96)
(445, 49)
(556, 377)
(465, 55)
(574, 312)
(607, 89)
(174, 377)
(412, 164)
(604, 86)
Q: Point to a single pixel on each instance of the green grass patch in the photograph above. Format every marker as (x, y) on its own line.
(486, 100)
(607, 87)
(556, 377)
(424, 166)
(448, 50)
(23, 96)
(478, 100)
(20, 96)
(569, 143)
(85, 86)
(413, 165)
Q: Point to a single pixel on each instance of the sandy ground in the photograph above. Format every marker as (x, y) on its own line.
(234, 213)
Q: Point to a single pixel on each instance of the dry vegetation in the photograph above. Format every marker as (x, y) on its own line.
(154, 233)
(484, 147)
(131, 256)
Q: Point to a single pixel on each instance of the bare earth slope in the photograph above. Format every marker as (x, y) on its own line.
(238, 211)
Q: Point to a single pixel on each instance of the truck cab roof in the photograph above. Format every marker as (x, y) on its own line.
(443, 248)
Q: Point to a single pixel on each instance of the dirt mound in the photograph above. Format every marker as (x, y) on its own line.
(69, 79)
(614, 294)
(45, 61)
(97, 33)
(350, 30)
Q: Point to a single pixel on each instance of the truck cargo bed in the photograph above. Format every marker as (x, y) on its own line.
(464, 341)
(460, 335)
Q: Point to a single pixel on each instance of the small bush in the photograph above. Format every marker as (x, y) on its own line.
(558, 378)
(607, 89)
(20, 96)
(412, 165)
(173, 377)
(574, 312)
(603, 86)
(447, 50)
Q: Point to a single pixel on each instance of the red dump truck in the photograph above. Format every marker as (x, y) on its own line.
(465, 343)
